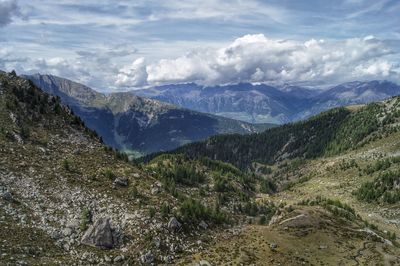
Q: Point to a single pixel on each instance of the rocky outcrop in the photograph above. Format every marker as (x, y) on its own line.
(203, 225)
(121, 181)
(5, 194)
(99, 234)
(174, 225)
(147, 258)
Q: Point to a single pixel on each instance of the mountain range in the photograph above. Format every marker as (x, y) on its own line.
(267, 104)
(323, 191)
(135, 124)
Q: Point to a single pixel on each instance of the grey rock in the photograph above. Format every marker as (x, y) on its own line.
(73, 224)
(67, 231)
(273, 246)
(204, 263)
(121, 181)
(174, 225)
(5, 194)
(56, 235)
(147, 258)
(167, 259)
(66, 247)
(18, 138)
(155, 190)
(118, 259)
(99, 234)
(175, 248)
(157, 242)
(203, 225)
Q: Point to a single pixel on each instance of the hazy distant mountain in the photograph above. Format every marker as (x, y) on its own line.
(129, 122)
(359, 92)
(351, 93)
(262, 103)
(247, 102)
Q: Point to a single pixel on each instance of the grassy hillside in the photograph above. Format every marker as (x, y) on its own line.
(57, 181)
(343, 204)
(329, 133)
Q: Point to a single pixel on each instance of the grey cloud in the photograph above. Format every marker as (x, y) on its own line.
(107, 54)
(8, 10)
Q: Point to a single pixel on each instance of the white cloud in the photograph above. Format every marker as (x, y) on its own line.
(256, 58)
(134, 75)
(73, 69)
(380, 68)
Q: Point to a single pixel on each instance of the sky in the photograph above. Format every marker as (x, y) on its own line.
(120, 45)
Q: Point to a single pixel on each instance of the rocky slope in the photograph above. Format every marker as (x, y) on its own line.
(263, 104)
(67, 199)
(136, 124)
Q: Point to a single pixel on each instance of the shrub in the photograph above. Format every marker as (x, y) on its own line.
(165, 210)
(178, 172)
(378, 166)
(344, 165)
(263, 220)
(133, 192)
(152, 212)
(265, 170)
(221, 184)
(192, 212)
(335, 207)
(66, 164)
(25, 132)
(267, 186)
(109, 174)
(117, 154)
(381, 189)
(86, 217)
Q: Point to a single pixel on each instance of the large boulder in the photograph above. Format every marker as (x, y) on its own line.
(99, 234)
(5, 194)
(203, 225)
(147, 258)
(121, 181)
(204, 263)
(174, 225)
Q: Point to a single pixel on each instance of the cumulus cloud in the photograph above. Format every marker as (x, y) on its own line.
(59, 66)
(256, 58)
(97, 68)
(134, 75)
(8, 10)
